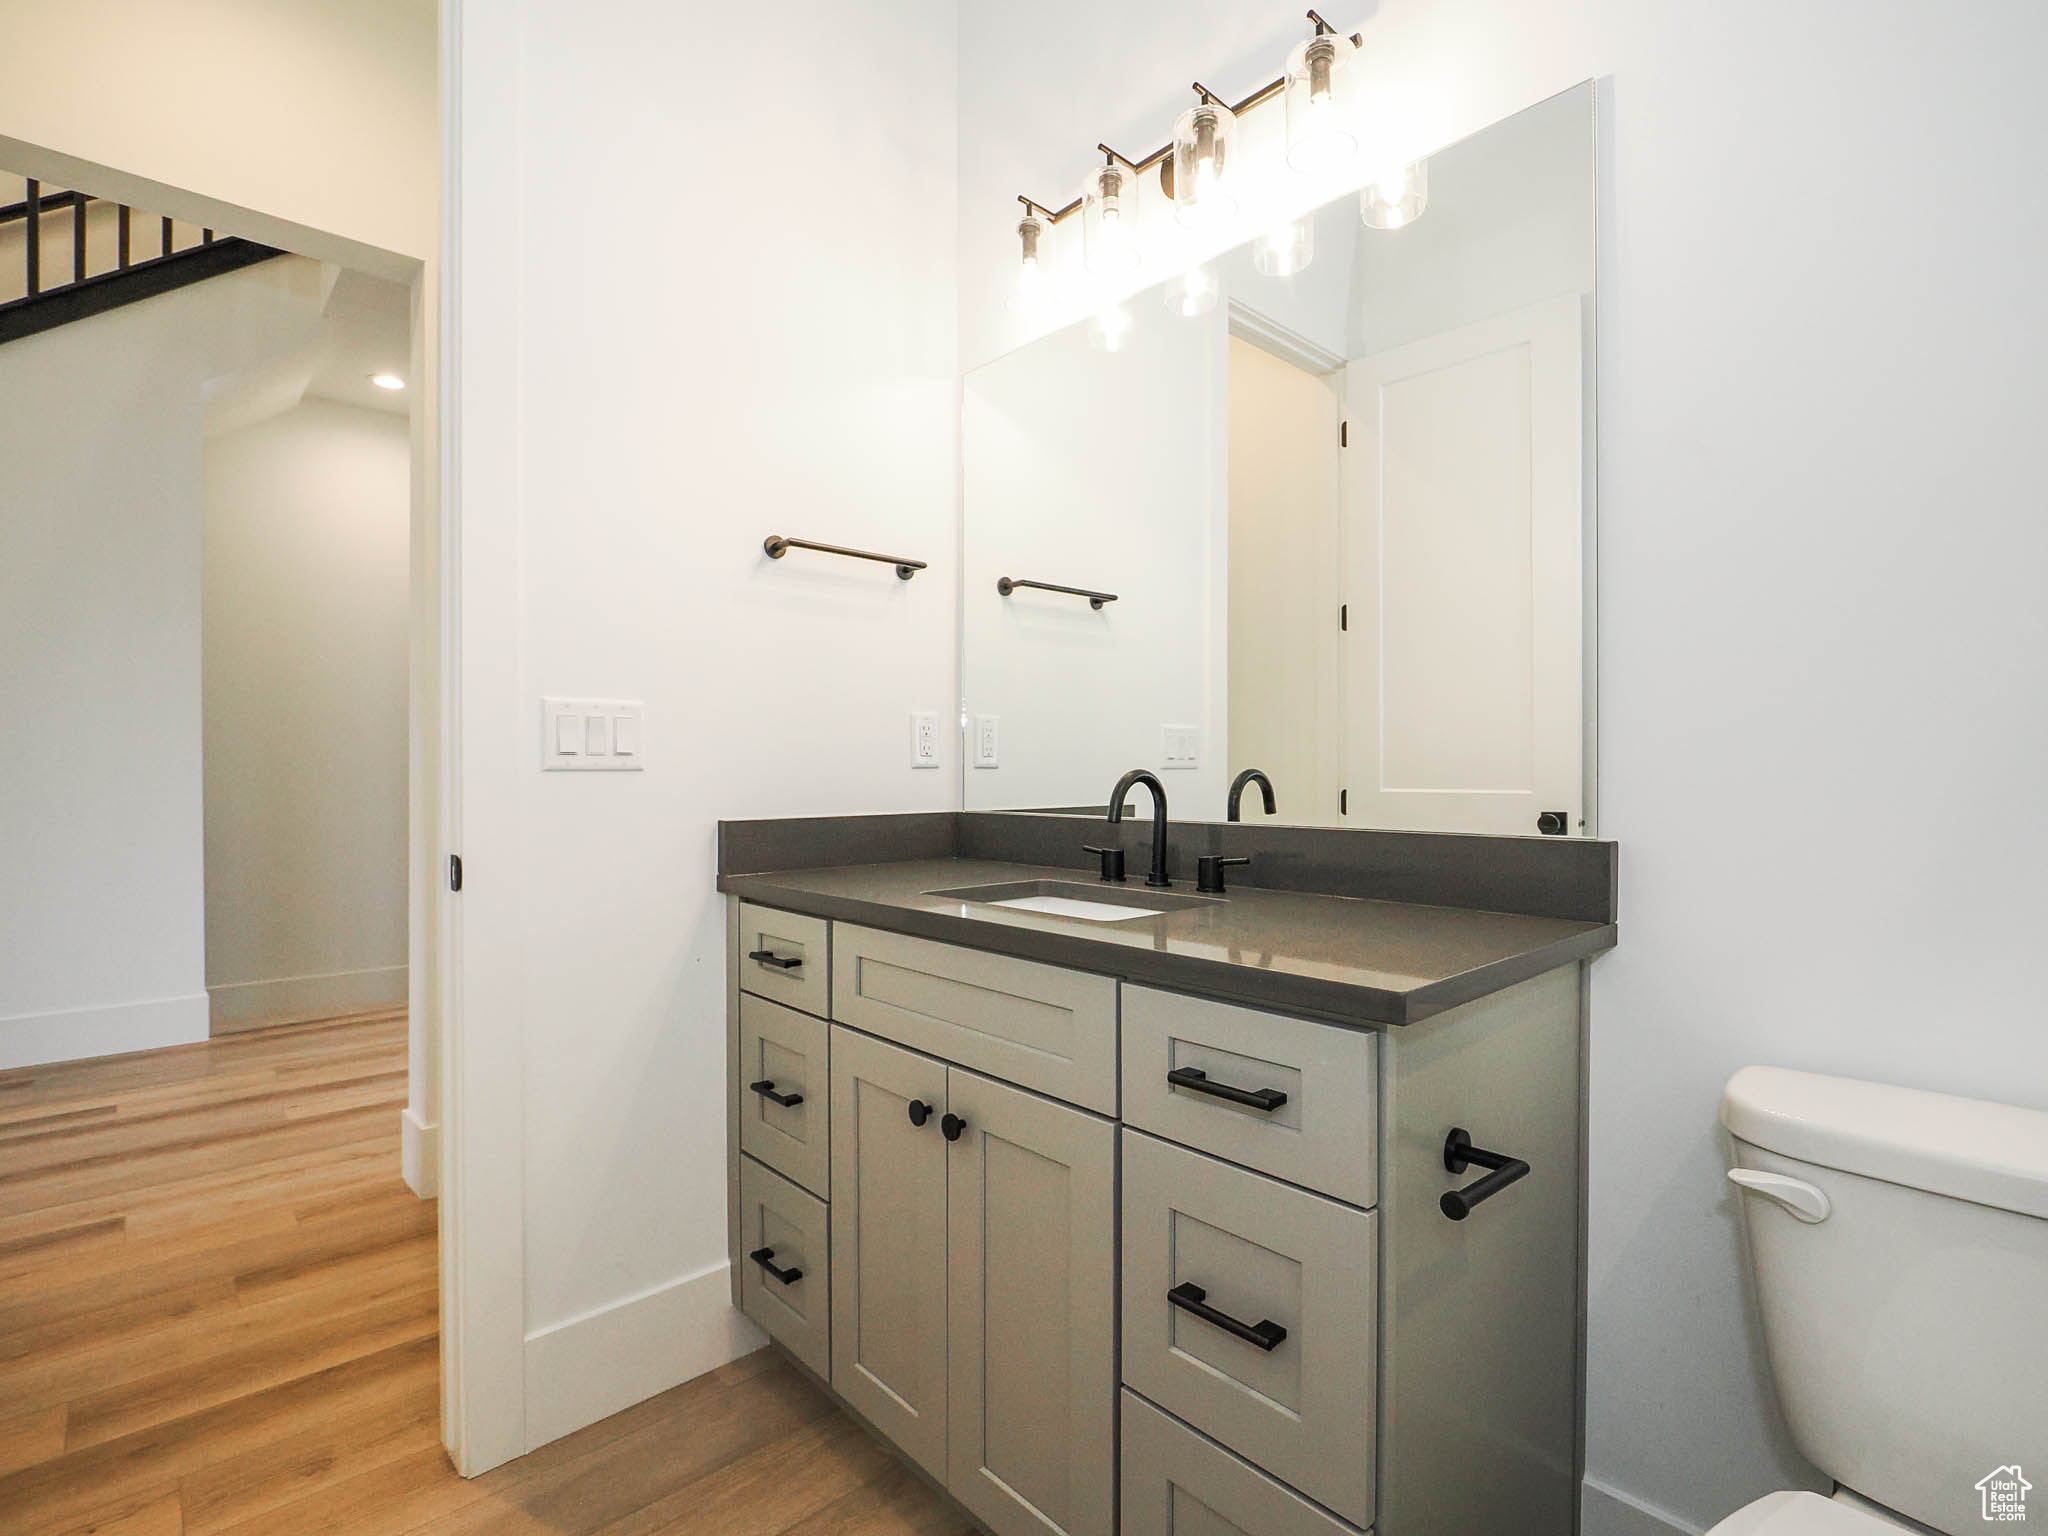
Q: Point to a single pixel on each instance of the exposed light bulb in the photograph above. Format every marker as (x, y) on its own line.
(1397, 198)
(1193, 292)
(1317, 83)
(1112, 328)
(1287, 250)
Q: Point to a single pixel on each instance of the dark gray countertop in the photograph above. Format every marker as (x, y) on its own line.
(1349, 960)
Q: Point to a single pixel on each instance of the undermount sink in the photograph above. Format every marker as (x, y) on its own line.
(1096, 902)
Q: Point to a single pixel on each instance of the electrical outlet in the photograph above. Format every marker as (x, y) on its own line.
(1180, 746)
(986, 742)
(924, 739)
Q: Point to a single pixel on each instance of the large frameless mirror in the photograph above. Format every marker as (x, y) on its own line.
(1321, 508)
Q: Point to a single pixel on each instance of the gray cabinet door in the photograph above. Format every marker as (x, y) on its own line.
(1210, 1252)
(889, 1243)
(784, 1238)
(782, 1058)
(784, 956)
(1032, 1211)
(1177, 1483)
(1049, 1029)
(1185, 1056)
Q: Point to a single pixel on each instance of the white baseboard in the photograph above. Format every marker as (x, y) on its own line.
(419, 1155)
(1605, 1511)
(590, 1367)
(241, 1005)
(73, 1034)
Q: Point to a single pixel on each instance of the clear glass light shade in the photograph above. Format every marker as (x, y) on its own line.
(1109, 219)
(1110, 330)
(1034, 239)
(1201, 162)
(1319, 132)
(1285, 251)
(1397, 198)
(1193, 292)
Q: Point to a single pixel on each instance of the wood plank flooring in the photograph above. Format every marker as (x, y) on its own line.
(218, 1317)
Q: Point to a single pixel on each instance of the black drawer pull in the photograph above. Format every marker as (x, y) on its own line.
(766, 1088)
(765, 1257)
(1196, 1080)
(1190, 1297)
(780, 962)
(919, 1111)
(1459, 1153)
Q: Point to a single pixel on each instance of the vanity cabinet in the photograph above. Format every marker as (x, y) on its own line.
(1105, 1258)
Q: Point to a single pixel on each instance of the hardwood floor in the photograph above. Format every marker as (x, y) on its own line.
(218, 1318)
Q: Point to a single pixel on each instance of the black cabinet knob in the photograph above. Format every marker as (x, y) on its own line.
(1553, 823)
(952, 1126)
(919, 1111)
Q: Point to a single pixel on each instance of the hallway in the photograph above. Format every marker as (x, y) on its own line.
(218, 1314)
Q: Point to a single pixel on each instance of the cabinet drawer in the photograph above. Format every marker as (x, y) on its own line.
(780, 938)
(1323, 1131)
(786, 1227)
(1176, 1483)
(1264, 1257)
(1046, 1028)
(783, 1055)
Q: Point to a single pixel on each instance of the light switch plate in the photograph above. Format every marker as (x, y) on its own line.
(924, 738)
(987, 741)
(1180, 746)
(592, 735)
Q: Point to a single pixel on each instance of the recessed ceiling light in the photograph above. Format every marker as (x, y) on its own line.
(387, 381)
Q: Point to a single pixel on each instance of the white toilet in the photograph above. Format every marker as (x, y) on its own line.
(1900, 1241)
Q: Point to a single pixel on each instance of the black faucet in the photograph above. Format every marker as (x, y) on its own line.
(1157, 878)
(1250, 776)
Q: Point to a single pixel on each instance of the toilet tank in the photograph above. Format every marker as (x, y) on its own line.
(1908, 1326)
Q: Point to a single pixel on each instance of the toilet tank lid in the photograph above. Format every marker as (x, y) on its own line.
(1989, 1154)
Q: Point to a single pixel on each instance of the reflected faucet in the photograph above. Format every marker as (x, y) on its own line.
(1157, 878)
(1250, 776)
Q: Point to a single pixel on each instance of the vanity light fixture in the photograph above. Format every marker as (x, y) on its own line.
(1193, 166)
(1201, 159)
(1319, 137)
(1287, 250)
(1397, 198)
(1109, 217)
(387, 381)
(1193, 292)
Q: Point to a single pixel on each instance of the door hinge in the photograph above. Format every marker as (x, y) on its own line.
(1344, 617)
(1343, 802)
(454, 871)
(1343, 434)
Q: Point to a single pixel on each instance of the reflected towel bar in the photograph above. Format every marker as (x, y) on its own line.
(777, 546)
(1008, 584)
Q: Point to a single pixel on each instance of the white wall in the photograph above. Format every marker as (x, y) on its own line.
(305, 626)
(319, 113)
(100, 800)
(1823, 645)
(629, 436)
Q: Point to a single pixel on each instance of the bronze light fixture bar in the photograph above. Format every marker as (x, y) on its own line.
(1163, 156)
(777, 546)
(1008, 584)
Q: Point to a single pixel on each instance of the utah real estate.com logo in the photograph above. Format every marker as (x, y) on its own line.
(2005, 1495)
